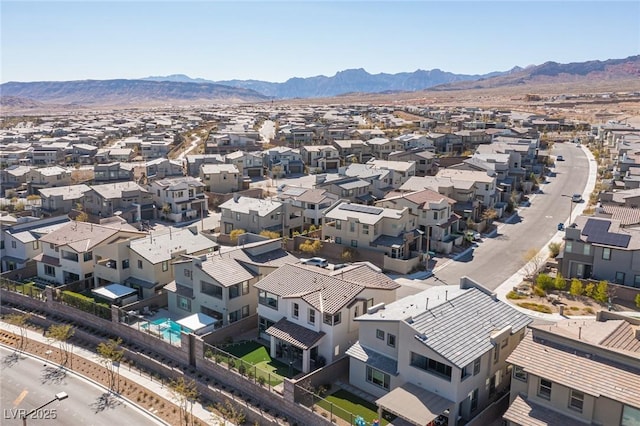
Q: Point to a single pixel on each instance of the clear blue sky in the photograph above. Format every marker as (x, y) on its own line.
(273, 41)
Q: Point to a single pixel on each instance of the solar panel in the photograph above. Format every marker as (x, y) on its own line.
(597, 231)
(361, 209)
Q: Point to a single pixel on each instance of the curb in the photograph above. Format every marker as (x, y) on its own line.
(90, 380)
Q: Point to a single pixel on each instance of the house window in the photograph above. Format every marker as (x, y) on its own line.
(338, 224)
(630, 416)
(332, 319)
(88, 256)
(49, 270)
(263, 324)
(354, 243)
(268, 299)
(125, 264)
(544, 390)
(36, 245)
(245, 311)
(13, 244)
(338, 240)
(296, 310)
(378, 378)
(431, 366)
(474, 400)
(586, 249)
(636, 280)
(504, 343)
(211, 289)
(476, 366)
(391, 340)
(237, 216)
(496, 354)
(139, 264)
(568, 246)
(576, 400)
(184, 303)
(187, 273)
(466, 371)
(68, 255)
(312, 316)
(435, 215)
(519, 373)
(352, 227)
(606, 253)
(380, 334)
(620, 277)
(365, 229)
(356, 312)
(245, 287)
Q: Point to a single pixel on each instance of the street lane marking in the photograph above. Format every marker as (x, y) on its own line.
(20, 397)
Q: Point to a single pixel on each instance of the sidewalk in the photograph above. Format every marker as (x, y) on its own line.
(199, 410)
(558, 237)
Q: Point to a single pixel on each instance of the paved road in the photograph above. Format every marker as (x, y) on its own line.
(194, 142)
(496, 259)
(27, 383)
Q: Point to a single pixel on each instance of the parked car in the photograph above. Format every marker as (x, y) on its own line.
(576, 198)
(315, 261)
(559, 158)
(561, 226)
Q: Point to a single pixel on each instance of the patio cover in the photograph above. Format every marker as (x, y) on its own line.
(197, 321)
(525, 412)
(294, 334)
(414, 404)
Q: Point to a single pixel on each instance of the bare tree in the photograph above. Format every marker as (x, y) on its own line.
(111, 353)
(534, 262)
(184, 393)
(20, 321)
(62, 333)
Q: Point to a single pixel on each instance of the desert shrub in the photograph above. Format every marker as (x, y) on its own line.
(576, 288)
(601, 293)
(544, 282)
(554, 248)
(589, 289)
(535, 307)
(637, 300)
(514, 295)
(559, 282)
(539, 291)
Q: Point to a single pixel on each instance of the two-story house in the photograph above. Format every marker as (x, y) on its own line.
(434, 216)
(111, 172)
(248, 163)
(583, 372)
(13, 178)
(282, 161)
(307, 313)
(161, 168)
(21, 241)
(353, 150)
(149, 259)
(390, 231)
(439, 352)
(179, 199)
(195, 161)
(67, 252)
(63, 199)
(313, 202)
(46, 177)
(221, 178)
(127, 199)
(597, 248)
(320, 158)
(255, 215)
(426, 164)
(382, 147)
(221, 284)
(351, 188)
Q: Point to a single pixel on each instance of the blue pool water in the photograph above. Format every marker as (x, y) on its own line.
(170, 330)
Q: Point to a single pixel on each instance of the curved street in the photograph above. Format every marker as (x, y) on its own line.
(28, 383)
(495, 259)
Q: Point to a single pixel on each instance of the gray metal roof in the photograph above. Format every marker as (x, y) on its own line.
(373, 358)
(460, 329)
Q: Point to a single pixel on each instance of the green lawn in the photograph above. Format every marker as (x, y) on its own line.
(257, 355)
(346, 403)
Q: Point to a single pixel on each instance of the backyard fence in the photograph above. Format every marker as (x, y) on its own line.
(28, 288)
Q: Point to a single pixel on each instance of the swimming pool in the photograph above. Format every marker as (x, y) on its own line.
(167, 328)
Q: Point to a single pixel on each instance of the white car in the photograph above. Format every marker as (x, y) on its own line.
(576, 198)
(315, 261)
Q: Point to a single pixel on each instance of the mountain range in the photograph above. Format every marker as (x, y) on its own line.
(180, 88)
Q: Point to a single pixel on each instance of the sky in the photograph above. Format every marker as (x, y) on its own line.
(274, 41)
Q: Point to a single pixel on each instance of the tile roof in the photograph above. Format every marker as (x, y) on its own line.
(460, 329)
(328, 294)
(592, 375)
(247, 204)
(158, 247)
(528, 413)
(297, 335)
(83, 236)
(226, 270)
(115, 190)
(49, 260)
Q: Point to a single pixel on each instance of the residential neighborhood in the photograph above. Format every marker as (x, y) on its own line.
(368, 253)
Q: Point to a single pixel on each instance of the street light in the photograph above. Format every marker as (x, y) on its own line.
(570, 207)
(58, 397)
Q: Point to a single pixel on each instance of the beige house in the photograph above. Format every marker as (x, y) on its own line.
(353, 150)
(47, 177)
(221, 284)
(255, 215)
(434, 216)
(307, 313)
(127, 199)
(388, 230)
(583, 372)
(320, 158)
(179, 199)
(382, 147)
(221, 178)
